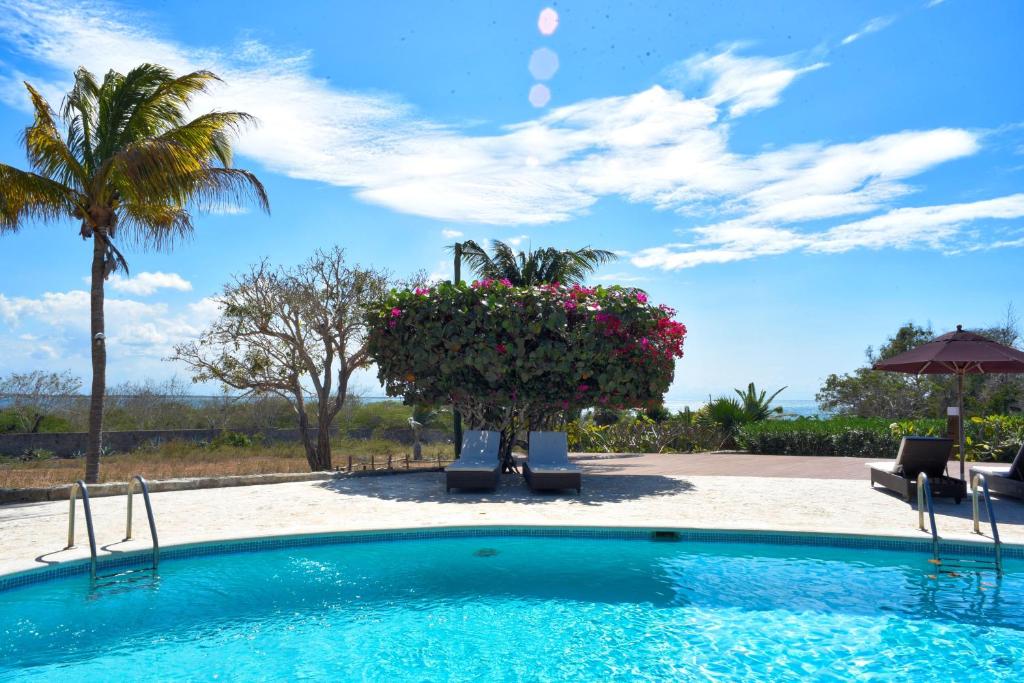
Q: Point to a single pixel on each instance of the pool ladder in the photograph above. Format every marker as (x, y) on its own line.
(80, 486)
(924, 501)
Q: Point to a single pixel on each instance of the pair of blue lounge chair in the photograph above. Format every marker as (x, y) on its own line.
(547, 466)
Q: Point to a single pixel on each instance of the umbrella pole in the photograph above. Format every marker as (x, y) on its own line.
(960, 421)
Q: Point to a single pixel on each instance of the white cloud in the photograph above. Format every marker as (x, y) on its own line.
(653, 146)
(139, 335)
(934, 227)
(517, 241)
(745, 83)
(145, 283)
(450, 234)
(934, 3)
(619, 278)
(876, 24)
(657, 146)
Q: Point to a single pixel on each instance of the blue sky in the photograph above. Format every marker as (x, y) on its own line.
(796, 178)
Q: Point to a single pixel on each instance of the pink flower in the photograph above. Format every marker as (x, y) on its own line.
(396, 312)
(569, 305)
(641, 297)
(501, 348)
(505, 281)
(422, 291)
(392, 324)
(583, 387)
(565, 405)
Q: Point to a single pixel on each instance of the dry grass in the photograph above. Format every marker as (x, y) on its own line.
(174, 460)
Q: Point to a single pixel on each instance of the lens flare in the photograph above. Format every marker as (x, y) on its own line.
(547, 22)
(539, 95)
(543, 64)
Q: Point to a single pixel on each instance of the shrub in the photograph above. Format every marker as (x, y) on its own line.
(989, 438)
(232, 440)
(497, 351)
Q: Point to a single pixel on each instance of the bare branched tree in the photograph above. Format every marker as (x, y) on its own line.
(285, 330)
(31, 396)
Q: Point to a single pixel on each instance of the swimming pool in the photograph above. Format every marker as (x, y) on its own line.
(521, 607)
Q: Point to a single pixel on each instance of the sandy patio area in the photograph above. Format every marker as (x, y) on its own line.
(650, 491)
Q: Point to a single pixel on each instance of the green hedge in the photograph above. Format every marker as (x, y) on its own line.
(996, 437)
(856, 437)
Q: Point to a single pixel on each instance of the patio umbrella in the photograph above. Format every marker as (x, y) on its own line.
(957, 353)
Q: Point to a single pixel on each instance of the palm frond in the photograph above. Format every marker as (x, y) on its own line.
(48, 154)
(210, 134)
(79, 110)
(27, 196)
(158, 226)
(503, 264)
(473, 255)
(164, 105)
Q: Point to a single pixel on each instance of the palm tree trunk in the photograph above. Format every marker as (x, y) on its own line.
(99, 362)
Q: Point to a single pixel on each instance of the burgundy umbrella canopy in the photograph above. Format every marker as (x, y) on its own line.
(957, 353)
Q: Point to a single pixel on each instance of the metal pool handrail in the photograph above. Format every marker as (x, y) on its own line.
(983, 480)
(75, 488)
(144, 487)
(924, 496)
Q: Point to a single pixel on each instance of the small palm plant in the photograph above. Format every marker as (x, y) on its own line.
(533, 267)
(123, 161)
(758, 406)
(727, 415)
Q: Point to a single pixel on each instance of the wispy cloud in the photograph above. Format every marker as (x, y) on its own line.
(658, 146)
(873, 26)
(745, 84)
(933, 227)
(145, 284)
(450, 234)
(620, 278)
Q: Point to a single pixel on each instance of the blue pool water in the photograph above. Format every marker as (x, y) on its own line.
(532, 609)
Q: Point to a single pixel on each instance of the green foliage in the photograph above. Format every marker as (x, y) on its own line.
(725, 415)
(658, 412)
(382, 416)
(871, 393)
(493, 349)
(996, 437)
(990, 438)
(678, 433)
(856, 437)
(232, 440)
(603, 417)
(526, 269)
(758, 406)
(10, 422)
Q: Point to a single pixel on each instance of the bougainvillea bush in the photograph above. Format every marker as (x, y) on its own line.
(508, 355)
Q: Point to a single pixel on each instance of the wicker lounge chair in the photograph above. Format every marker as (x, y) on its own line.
(478, 466)
(547, 466)
(1005, 481)
(920, 454)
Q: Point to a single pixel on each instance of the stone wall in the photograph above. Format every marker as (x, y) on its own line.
(71, 444)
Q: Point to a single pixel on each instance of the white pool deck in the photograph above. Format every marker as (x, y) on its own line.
(648, 491)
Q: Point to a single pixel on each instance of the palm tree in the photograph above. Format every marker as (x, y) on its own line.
(525, 269)
(125, 162)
